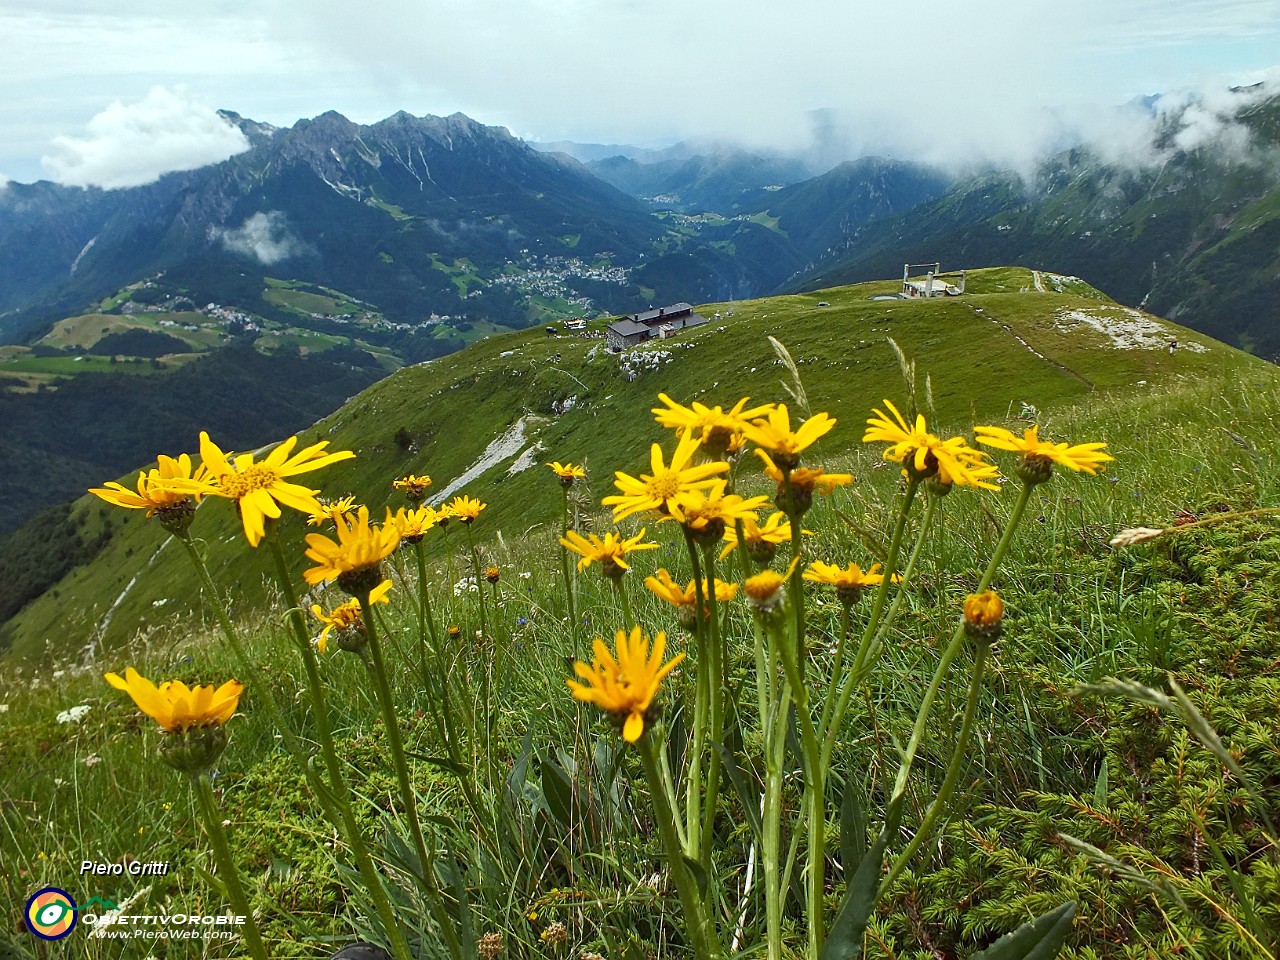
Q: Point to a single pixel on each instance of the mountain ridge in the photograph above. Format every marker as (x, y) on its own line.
(1002, 345)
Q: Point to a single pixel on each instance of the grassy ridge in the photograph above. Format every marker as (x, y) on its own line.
(989, 352)
(1202, 607)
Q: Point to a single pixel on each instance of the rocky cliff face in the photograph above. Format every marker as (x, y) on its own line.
(344, 201)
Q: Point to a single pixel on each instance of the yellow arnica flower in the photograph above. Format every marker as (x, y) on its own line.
(259, 488)
(685, 599)
(667, 589)
(774, 433)
(717, 431)
(177, 707)
(156, 490)
(850, 581)
(465, 509)
(415, 488)
(626, 685)
(710, 512)
(610, 553)
(412, 524)
(359, 550)
(330, 510)
(657, 491)
(346, 616)
(567, 472)
(850, 576)
(761, 541)
(806, 479)
(952, 461)
(1088, 457)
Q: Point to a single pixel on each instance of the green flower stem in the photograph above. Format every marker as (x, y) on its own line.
(701, 710)
(290, 594)
(424, 598)
(953, 772)
(258, 681)
(844, 683)
(628, 620)
(775, 726)
(448, 562)
(386, 704)
(795, 586)
(890, 563)
(842, 695)
(475, 566)
(391, 724)
(1007, 538)
(764, 676)
(718, 674)
(227, 865)
(567, 571)
(893, 811)
(669, 785)
(702, 935)
(814, 789)
(338, 789)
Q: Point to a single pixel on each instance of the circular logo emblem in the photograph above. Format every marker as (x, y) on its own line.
(51, 913)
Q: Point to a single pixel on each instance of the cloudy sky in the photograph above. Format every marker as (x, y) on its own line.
(111, 92)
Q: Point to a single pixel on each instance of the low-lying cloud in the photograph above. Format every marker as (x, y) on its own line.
(128, 145)
(1142, 136)
(266, 237)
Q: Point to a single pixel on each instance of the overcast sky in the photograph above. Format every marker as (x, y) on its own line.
(114, 93)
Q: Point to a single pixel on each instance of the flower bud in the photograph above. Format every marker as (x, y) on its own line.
(177, 517)
(362, 580)
(983, 613)
(1034, 469)
(194, 750)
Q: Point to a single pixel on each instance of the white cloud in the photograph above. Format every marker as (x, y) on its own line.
(266, 237)
(958, 81)
(129, 145)
(963, 81)
(1181, 120)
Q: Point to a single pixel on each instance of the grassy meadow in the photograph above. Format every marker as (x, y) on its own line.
(1065, 793)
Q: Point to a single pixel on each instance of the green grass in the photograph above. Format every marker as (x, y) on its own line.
(396, 212)
(70, 366)
(1203, 607)
(305, 302)
(454, 406)
(1196, 439)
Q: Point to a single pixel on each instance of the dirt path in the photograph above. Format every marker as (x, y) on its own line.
(986, 314)
(1035, 278)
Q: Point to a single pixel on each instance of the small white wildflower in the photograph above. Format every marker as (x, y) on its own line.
(59, 782)
(58, 674)
(92, 760)
(465, 585)
(4, 708)
(74, 715)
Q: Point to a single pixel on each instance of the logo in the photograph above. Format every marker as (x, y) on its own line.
(51, 913)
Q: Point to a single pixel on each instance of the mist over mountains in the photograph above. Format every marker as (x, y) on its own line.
(352, 249)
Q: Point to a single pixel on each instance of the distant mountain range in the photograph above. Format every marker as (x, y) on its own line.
(1194, 236)
(336, 252)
